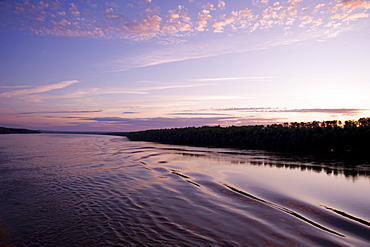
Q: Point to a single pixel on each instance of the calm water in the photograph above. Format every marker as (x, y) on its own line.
(86, 190)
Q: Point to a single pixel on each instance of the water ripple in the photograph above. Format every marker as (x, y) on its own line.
(69, 190)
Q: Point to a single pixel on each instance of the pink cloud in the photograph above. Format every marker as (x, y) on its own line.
(177, 21)
(260, 2)
(148, 24)
(318, 7)
(209, 6)
(356, 16)
(133, 124)
(356, 4)
(241, 19)
(203, 18)
(219, 26)
(39, 89)
(53, 18)
(291, 4)
(270, 13)
(74, 10)
(342, 111)
(221, 4)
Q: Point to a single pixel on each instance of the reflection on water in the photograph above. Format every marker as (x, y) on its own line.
(79, 190)
(305, 163)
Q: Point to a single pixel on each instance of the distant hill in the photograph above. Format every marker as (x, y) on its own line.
(4, 130)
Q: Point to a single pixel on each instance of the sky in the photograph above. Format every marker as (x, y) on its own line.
(128, 65)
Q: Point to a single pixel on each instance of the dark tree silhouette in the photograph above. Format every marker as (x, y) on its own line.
(17, 131)
(311, 137)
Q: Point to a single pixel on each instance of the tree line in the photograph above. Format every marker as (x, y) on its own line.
(297, 137)
(4, 130)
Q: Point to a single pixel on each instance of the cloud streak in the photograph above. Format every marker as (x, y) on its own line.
(133, 124)
(39, 89)
(58, 112)
(32, 95)
(14, 86)
(345, 111)
(253, 78)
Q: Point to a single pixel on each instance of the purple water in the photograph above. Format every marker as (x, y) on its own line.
(90, 190)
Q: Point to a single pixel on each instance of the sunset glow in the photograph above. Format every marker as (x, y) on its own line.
(137, 65)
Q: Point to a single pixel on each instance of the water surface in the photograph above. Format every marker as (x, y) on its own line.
(80, 190)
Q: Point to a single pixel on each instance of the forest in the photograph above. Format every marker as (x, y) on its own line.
(296, 137)
(4, 130)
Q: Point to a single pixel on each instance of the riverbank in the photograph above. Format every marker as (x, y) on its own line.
(328, 137)
(4, 130)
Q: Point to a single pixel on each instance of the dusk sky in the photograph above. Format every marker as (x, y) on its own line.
(126, 65)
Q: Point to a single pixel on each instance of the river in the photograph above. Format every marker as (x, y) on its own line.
(93, 190)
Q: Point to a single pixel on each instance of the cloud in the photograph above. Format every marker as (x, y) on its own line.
(221, 4)
(202, 117)
(168, 54)
(353, 4)
(260, 2)
(318, 7)
(174, 86)
(291, 4)
(89, 92)
(92, 92)
(73, 10)
(58, 112)
(146, 21)
(140, 90)
(203, 18)
(197, 114)
(356, 16)
(248, 109)
(13, 86)
(53, 18)
(333, 111)
(112, 4)
(252, 78)
(344, 111)
(133, 124)
(178, 21)
(241, 19)
(39, 89)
